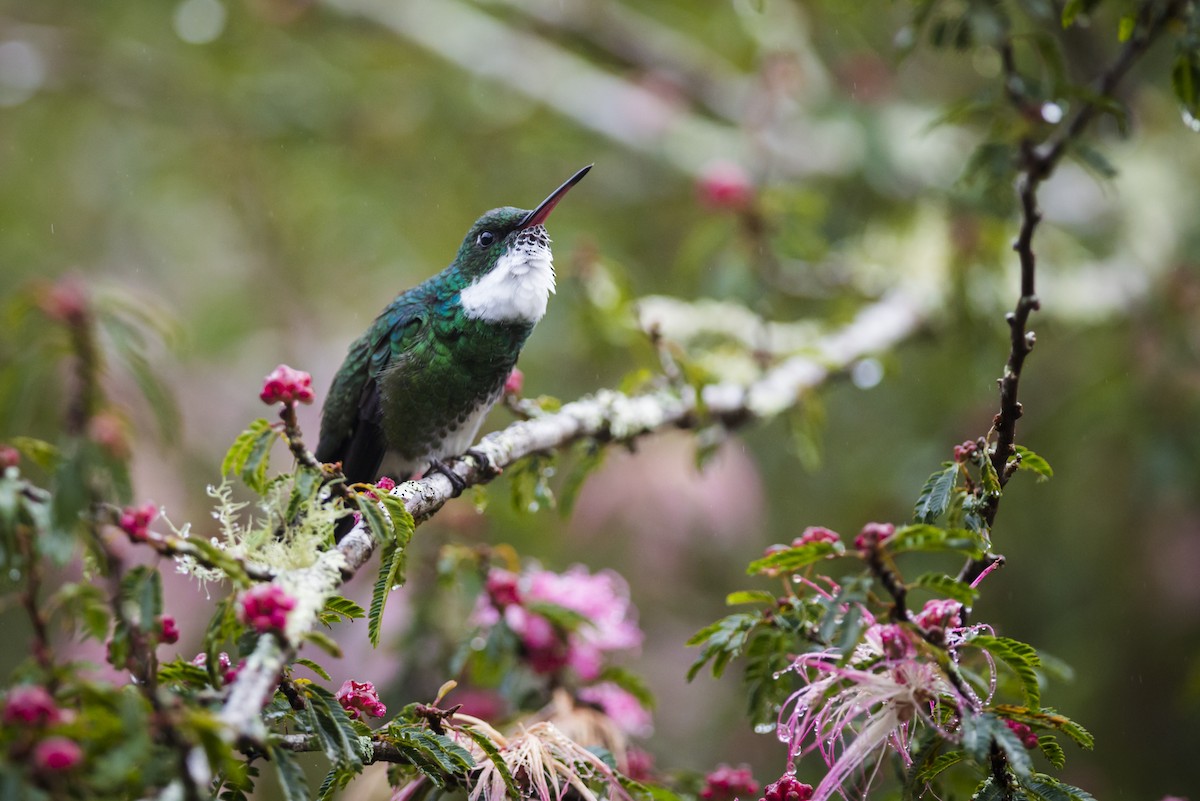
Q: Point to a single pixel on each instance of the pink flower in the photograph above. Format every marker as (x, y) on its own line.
(1023, 732)
(502, 588)
(385, 483)
(893, 641)
(815, 534)
(56, 753)
(359, 697)
(940, 613)
(726, 783)
(602, 599)
(724, 186)
(135, 521)
(65, 300)
(621, 707)
(170, 632)
(965, 451)
(639, 764)
(9, 456)
(286, 385)
(265, 607)
(788, 788)
(515, 382)
(30, 704)
(873, 534)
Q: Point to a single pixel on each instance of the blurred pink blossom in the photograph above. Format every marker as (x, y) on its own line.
(873, 534)
(30, 704)
(601, 598)
(135, 520)
(265, 607)
(515, 382)
(788, 788)
(621, 706)
(170, 632)
(56, 753)
(727, 783)
(725, 186)
(940, 613)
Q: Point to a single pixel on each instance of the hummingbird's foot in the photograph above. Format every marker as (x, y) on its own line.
(455, 480)
(486, 467)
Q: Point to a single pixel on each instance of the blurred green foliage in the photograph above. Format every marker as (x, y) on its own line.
(273, 171)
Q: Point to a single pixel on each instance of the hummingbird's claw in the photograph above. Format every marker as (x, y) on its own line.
(455, 480)
(486, 468)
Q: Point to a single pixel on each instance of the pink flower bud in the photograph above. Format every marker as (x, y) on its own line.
(265, 607)
(965, 451)
(639, 764)
(135, 521)
(726, 783)
(108, 431)
(228, 674)
(9, 456)
(170, 632)
(895, 642)
(515, 382)
(65, 301)
(815, 534)
(385, 484)
(724, 186)
(940, 613)
(788, 788)
(1023, 732)
(873, 534)
(56, 753)
(359, 698)
(30, 704)
(286, 385)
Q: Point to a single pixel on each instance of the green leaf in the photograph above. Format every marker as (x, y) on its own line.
(1048, 788)
(291, 776)
(1185, 80)
(1070, 11)
(493, 754)
(393, 559)
(988, 790)
(947, 586)
(1020, 657)
(750, 597)
(40, 452)
(938, 765)
(324, 642)
(976, 733)
(1053, 752)
(722, 640)
(141, 597)
(1018, 755)
(1032, 462)
(314, 667)
(333, 726)
(936, 494)
(250, 455)
(437, 756)
(926, 538)
(344, 607)
(792, 559)
(989, 480)
(376, 521)
(589, 461)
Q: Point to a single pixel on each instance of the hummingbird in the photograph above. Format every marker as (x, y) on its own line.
(415, 388)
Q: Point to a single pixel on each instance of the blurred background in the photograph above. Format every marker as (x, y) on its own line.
(259, 177)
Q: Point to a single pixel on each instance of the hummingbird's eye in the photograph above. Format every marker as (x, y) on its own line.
(485, 239)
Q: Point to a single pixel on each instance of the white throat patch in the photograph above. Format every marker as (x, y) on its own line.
(518, 287)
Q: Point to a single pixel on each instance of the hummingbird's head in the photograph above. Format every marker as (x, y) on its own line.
(506, 259)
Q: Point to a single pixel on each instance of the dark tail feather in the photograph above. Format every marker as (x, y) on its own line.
(342, 527)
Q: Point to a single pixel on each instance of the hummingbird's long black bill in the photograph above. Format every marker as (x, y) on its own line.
(539, 215)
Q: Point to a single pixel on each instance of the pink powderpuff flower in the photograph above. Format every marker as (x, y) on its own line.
(620, 706)
(601, 598)
(56, 753)
(725, 186)
(849, 714)
(515, 382)
(872, 535)
(30, 704)
(788, 788)
(135, 521)
(385, 483)
(170, 632)
(639, 765)
(287, 385)
(359, 698)
(265, 607)
(726, 784)
(502, 588)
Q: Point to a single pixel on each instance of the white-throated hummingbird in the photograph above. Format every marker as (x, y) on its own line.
(416, 386)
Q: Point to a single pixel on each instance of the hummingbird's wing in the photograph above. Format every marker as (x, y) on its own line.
(352, 419)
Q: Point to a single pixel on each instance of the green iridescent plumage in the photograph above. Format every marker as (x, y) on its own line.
(416, 386)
